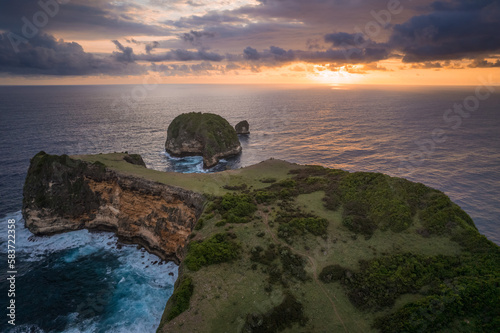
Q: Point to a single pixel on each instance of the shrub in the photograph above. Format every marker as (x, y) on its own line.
(217, 249)
(293, 264)
(283, 316)
(332, 273)
(199, 224)
(264, 197)
(180, 298)
(237, 208)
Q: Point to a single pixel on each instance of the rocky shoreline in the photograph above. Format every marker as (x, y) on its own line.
(63, 194)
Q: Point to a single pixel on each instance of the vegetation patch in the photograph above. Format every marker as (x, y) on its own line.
(235, 208)
(179, 301)
(266, 257)
(241, 187)
(216, 249)
(299, 226)
(268, 180)
(293, 264)
(474, 299)
(332, 273)
(283, 316)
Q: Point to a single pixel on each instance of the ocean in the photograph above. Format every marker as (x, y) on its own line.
(88, 282)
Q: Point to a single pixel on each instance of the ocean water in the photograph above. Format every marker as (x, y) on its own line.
(87, 282)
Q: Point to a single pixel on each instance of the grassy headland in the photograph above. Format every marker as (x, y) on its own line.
(288, 248)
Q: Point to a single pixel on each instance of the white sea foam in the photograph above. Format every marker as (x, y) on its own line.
(141, 287)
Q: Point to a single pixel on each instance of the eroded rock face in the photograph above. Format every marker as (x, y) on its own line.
(242, 127)
(62, 194)
(204, 134)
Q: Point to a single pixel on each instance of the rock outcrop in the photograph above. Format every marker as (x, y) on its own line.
(64, 194)
(243, 127)
(204, 134)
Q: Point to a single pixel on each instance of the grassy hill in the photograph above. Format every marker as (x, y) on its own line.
(288, 248)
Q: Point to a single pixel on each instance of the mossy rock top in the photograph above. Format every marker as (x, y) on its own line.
(204, 134)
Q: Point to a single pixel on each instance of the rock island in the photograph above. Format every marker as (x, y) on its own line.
(205, 134)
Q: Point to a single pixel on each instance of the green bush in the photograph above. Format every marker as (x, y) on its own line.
(180, 298)
(264, 197)
(217, 249)
(332, 273)
(293, 264)
(283, 316)
(474, 299)
(199, 224)
(236, 208)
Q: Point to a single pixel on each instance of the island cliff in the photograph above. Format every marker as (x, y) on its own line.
(282, 247)
(64, 194)
(205, 134)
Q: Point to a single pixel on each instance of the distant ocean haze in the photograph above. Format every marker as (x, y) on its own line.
(390, 130)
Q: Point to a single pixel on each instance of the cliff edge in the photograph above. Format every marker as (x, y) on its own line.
(63, 194)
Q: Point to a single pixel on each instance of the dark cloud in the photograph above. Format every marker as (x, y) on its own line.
(203, 68)
(194, 36)
(82, 19)
(148, 46)
(210, 19)
(455, 30)
(482, 63)
(251, 54)
(126, 54)
(345, 39)
(181, 55)
(151, 46)
(44, 55)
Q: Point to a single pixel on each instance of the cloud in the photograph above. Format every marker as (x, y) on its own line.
(151, 46)
(482, 63)
(251, 35)
(44, 55)
(204, 68)
(195, 37)
(251, 54)
(82, 19)
(181, 55)
(278, 55)
(126, 54)
(346, 39)
(455, 30)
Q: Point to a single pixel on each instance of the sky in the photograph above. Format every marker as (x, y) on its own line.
(334, 42)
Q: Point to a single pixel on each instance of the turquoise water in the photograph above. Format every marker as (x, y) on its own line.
(84, 282)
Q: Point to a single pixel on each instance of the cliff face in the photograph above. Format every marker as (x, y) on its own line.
(62, 194)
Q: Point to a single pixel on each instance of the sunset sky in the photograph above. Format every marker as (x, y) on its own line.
(249, 41)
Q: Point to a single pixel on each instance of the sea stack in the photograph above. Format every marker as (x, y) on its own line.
(202, 134)
(242, 127)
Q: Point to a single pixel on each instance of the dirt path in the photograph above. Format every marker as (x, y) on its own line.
(265, 218)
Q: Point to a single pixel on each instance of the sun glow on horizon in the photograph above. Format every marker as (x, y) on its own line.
(340, 75)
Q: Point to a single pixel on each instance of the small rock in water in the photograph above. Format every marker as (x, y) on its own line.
(242, 127)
